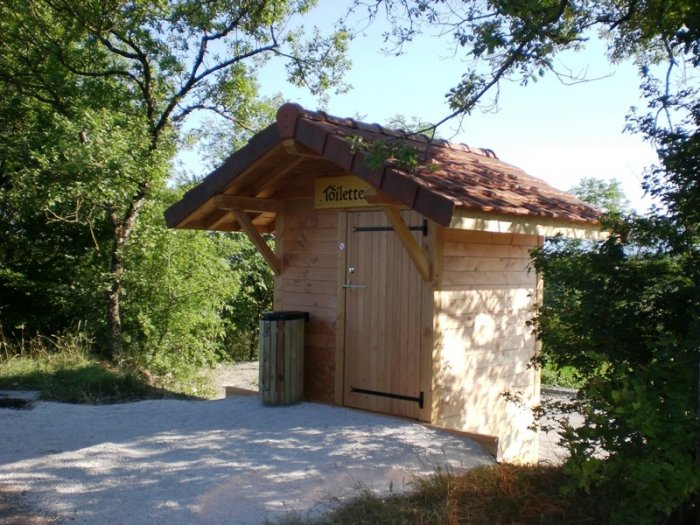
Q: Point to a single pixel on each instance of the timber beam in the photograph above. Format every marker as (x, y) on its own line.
(234, 202)
(257, 239)
(413, 249)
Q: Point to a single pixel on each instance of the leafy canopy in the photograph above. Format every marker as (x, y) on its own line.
(99, 94)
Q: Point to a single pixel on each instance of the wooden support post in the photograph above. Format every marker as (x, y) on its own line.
(248, 227)
(339, 383)
(409, 242)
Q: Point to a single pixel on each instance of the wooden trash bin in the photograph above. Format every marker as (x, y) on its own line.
(281, 376)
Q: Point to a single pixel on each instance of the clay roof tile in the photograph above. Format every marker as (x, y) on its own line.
(448, 175)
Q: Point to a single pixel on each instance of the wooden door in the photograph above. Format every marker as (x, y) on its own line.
(382, 317)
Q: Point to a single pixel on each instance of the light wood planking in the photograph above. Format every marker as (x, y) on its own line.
(455, 249)
(483, 301)
(303, 246)
(475, 237)
(310, 260)
(408, 239)
(490, 222)
(306, 301)
(488, 264)
(279, 253)
(477, 278)
(310, 273)
(383, 320)
(309, 283)
(311, 287)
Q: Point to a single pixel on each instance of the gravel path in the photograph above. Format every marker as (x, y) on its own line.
(229, 460)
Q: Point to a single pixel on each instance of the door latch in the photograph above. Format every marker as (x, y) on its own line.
(349, 285)
(353, 286)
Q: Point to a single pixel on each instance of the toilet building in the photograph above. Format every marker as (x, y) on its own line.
(411, 257)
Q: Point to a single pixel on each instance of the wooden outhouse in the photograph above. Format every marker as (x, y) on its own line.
(415, 273)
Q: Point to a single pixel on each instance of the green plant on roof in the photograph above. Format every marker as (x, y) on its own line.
(381, 152)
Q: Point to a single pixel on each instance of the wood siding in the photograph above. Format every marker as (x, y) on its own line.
(307, 244)
(485, 296)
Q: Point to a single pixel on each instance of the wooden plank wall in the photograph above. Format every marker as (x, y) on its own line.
(484, 297)
(307, 244)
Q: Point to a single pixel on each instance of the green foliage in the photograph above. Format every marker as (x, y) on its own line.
(103, 92)
(607, 196)
(174, 295)
(254, 296)
(380, 152)
(626, 318)
(412, 125)
(519, 41)
(52, 236)
(565, 376)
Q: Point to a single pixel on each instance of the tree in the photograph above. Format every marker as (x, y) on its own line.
(122, 77)
(628, 316)
(51, 272)
(518, 41)
(254, 297)
(607, 196)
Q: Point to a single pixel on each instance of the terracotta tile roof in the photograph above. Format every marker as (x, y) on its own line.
(448, 177)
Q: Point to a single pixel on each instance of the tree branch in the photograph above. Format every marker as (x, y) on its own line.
(214, 109)
(614, 23)
(187, 87)
(195, 77)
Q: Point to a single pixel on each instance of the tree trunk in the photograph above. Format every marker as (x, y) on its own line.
(122, 231)
(114, 320)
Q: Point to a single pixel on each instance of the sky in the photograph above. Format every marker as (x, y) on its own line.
(557, 132)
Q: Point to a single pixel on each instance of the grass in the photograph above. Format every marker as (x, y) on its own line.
(566, 376)
(499, 494)
(63, 369)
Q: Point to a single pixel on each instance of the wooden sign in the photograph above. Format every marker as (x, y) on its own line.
(340, 192)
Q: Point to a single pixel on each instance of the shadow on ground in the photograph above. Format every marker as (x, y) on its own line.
(226, 461)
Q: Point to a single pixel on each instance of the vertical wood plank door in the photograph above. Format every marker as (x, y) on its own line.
(382, 317)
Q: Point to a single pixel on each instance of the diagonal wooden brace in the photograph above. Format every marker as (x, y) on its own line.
(248, 227)
(409, 242)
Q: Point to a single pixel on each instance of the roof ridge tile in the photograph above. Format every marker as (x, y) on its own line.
(398, 133)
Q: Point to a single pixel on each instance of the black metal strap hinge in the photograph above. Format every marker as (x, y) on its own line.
(422, 228)
(418, 399)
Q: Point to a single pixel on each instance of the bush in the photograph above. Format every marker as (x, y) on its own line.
(63, 368)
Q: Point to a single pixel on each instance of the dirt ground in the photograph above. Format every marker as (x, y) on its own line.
(16, 508)
(245, 376)
(242, 375)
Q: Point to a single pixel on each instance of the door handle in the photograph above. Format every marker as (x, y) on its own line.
(349, 285)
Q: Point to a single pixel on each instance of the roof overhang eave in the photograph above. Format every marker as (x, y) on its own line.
(525, 225)
(233, 168)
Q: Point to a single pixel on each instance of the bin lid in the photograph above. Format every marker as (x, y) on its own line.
(286, 315)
